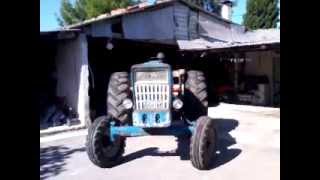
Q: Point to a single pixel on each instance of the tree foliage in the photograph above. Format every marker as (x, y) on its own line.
(86, 9)
(261, 14)
(209, 5)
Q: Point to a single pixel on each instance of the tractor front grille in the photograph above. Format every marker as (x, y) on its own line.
(151, 96)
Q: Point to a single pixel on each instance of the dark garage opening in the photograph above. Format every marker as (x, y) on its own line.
(47, 77)
(56, 70)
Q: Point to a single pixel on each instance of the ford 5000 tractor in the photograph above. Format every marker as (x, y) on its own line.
(153, 100)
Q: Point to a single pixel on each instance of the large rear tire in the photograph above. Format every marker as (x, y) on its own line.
(100, 149)
(118, 90)
(203, 143)
(196, 96)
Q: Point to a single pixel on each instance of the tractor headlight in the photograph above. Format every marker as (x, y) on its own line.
(127, 103)
(177, 103)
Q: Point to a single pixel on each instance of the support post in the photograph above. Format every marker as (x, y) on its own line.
(83, 96)
(236, 69)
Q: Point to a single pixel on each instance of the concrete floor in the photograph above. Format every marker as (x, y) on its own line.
(249, 149)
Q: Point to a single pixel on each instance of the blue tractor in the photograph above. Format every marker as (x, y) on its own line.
(153, 100)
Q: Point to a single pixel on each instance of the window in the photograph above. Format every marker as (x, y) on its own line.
(117, 27)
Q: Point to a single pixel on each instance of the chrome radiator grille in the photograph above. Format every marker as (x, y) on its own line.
(151, 96)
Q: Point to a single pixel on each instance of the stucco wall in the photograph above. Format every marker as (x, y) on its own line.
(72, 74)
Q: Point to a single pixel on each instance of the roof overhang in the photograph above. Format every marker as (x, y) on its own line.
(258, 40)
(60, 34)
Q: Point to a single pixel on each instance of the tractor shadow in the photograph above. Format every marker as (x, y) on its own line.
(224, 154)
(53, 160)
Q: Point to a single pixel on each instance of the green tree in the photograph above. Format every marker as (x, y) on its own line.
(261, 14)
(209, 5)
(86, 9)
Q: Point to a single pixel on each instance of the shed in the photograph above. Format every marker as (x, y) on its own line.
(88, 52)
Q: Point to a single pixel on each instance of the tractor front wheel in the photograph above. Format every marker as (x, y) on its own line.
(203, 143)
(101, 150)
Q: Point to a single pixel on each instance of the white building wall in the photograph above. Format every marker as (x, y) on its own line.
(72, 75)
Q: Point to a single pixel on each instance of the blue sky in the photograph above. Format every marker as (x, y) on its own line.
(238, 11)
(48, 9)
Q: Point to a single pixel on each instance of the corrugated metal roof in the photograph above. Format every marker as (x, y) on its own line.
(121, 12)
(249, 38)
(140, 8)
(261, 35)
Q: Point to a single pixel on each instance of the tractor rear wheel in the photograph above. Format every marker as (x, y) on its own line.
(203, 143)
(196, 96)
(118, 90)
(101, 150)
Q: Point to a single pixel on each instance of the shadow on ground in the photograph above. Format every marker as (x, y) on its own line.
(52, 160)
(223, 154)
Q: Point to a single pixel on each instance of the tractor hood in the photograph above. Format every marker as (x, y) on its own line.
(152, 64)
